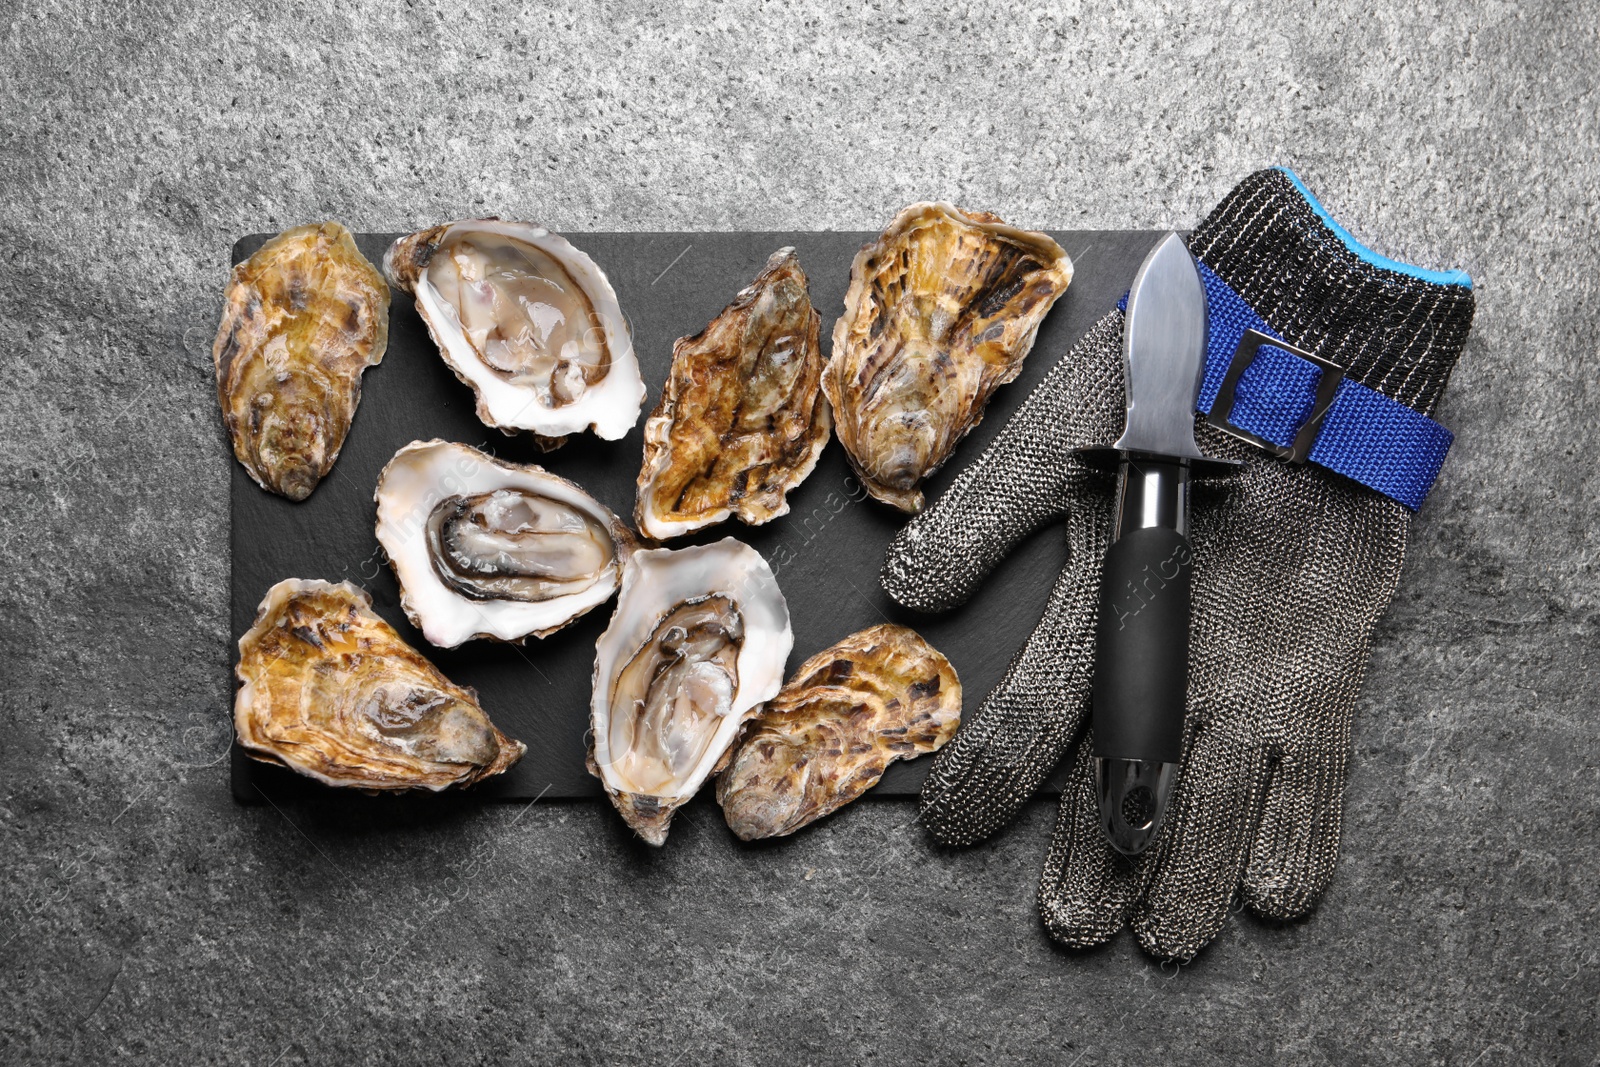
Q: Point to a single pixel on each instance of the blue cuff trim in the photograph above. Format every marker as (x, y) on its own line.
(1362, 252)
(1365, 435)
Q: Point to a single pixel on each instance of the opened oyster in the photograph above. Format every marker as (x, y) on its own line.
(941, 311)
(528, 321)
(327, 688)
(877, 696)
(698, 642)
(742, 418)
(485, 548)
(304, 317)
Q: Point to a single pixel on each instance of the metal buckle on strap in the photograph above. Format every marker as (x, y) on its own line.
(1306, 437)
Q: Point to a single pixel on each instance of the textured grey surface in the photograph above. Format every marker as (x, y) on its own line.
(145, 917)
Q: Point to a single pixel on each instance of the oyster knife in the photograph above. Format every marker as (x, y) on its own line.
(1142, 641)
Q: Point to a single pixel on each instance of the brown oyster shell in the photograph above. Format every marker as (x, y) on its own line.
(304, 317)
(328, 689)
(877, 696)
(742, 418)
(942, 310)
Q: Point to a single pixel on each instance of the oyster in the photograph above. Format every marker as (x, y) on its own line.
(304, 317)
(329, 689)
(877, 696)
(485, 548)
(528, 321)
(698, 642)
(941, 311)
(742, 418)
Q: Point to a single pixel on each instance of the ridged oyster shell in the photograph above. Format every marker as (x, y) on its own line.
(304, 317)
(941, 311)
(698, 642)
(486, 548)
(528, 321)
(877, 696)
(742, 418)
(328, 689)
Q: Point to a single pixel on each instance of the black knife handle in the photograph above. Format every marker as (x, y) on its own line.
(1142, 646)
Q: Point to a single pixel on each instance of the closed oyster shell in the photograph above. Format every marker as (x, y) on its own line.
(528, 321)
(486, 548)
(304, 317)
(877, 696)
(941, 311)
(328, 689)
(742, 418)
(698, 642)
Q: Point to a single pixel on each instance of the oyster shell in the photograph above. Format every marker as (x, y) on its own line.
(742, 418)
(486, 548)
(941, 311)
(698, 642)
(304, 317)
(329, 689)
(877, 696)
(528, 321)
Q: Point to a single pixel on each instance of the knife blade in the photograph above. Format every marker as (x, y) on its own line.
(1142, 638)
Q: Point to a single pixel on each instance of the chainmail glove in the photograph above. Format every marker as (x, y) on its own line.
(1293, 566)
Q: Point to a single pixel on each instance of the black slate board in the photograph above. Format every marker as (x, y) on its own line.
(826, 553)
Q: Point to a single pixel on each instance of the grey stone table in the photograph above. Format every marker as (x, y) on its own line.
(145, 917)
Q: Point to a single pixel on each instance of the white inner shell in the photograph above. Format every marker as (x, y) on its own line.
(458, 296)
(675, 761)
(424, 473)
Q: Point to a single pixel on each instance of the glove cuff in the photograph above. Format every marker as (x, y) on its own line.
(1394, 328)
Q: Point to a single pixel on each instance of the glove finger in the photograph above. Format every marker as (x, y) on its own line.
(1026, 478)
(1002, 753)
(1087, 888)
(1204, 845)
(1297, 845)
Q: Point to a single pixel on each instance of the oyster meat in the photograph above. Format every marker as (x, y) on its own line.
(877, 696)
(486, 548)
(698, 642)
(742, 418)
(941, 311)
(327, 688)
(304, 317)
(528, 321)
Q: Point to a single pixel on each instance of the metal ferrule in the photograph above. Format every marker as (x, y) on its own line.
(1152, 492)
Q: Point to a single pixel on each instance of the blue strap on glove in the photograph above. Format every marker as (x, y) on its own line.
(1364, 435)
